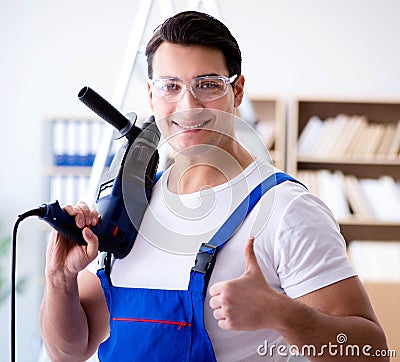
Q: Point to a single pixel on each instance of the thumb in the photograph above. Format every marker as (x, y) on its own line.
(250, 257)
(92, 243)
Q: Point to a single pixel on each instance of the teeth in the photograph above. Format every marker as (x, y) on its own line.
(193, 126)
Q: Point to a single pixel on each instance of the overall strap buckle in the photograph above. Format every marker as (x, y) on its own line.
(205, 259)
(105, 261)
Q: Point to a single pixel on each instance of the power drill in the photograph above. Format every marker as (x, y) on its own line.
(125, 188)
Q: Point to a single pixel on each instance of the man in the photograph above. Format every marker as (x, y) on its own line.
(292, 284)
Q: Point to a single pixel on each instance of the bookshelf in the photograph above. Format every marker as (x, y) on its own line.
(271, 126)
(69, 150)
(346, 153)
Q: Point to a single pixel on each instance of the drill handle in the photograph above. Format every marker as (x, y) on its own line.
(61, 221)
(103, 108)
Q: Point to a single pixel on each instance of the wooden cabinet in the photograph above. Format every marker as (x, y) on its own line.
(269, 114)
(383, 116)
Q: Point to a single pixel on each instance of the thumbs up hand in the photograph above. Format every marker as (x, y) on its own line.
(244, 303)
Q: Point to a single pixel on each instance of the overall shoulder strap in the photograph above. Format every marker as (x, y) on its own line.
(233, 222)
(157, 177)
(206, 256)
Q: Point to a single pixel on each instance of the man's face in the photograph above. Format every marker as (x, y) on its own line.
(188, 121)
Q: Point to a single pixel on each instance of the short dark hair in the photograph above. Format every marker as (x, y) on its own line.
(196, 28)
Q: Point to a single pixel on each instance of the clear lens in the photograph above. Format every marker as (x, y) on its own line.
(204, 89)
(209, 88)
(167, 88)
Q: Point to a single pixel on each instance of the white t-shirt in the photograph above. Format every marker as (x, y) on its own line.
(298, 246)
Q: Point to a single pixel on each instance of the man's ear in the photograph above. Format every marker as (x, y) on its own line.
(239, 90)
(150, 95)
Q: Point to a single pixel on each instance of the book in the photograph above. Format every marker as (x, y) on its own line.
(381, 202)
(83, 144)
(374, 140)
(68, 189)
(360, 123)
(58, 141)
(331, 190)
(324, 141)
(392, 193)
(309, 179)
(360, 141)
(386, 141)
(339, 147)
(394, 148)
(74, 142)
(310, 136)
(347, 134)
(333, 142)
(356, 198)
(96, 132)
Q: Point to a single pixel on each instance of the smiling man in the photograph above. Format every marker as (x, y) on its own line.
(278, 277)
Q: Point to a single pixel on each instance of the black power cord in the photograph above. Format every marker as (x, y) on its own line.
(34, 212)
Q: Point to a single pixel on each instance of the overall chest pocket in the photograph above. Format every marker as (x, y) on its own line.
(149, 325)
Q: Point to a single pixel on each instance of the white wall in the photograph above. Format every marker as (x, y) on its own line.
(50, 49)
(322, 48)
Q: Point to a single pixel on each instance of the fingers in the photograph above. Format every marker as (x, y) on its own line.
(84, 216)
(92, 243)
(216, 304)
(57, 251)
(215, 289)
(216, 301)
(222, 312)
(218, 314)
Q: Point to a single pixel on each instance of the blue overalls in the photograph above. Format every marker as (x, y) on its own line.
(168, 325)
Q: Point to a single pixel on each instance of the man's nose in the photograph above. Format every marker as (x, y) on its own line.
(188, 101)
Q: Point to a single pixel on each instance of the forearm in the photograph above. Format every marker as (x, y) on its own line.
(63, 321)
(325, 337)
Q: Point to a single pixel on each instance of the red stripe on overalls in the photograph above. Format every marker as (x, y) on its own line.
(160, 321)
